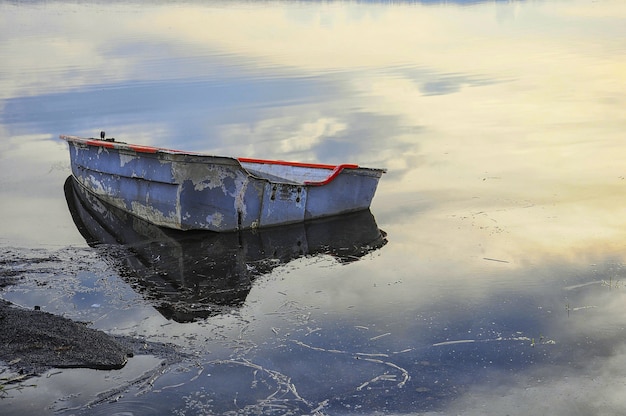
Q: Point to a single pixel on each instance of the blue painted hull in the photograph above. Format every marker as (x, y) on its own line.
(196, 274)
(188, 191)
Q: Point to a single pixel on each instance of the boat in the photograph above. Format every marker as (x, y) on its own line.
(196, 191)
(189, 275)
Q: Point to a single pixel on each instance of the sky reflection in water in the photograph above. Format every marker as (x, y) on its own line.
(500, 289)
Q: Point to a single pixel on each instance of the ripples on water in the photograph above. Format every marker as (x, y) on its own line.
(497, 285)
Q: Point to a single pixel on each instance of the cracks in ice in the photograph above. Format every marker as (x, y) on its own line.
(378, 358)
(283, 398)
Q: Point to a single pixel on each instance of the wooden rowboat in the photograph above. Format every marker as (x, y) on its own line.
(189, 275)
(185, 191)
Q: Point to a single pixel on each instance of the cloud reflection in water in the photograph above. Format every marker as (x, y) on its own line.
(501, 124)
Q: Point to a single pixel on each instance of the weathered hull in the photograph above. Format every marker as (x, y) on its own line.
(197, 274)
(195, 191)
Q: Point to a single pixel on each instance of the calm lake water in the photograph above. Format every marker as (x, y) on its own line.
(497, 286)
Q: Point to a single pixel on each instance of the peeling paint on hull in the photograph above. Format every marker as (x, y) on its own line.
(186, 191)
(166, 261)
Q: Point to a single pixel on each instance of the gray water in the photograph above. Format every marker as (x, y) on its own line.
(499, 289)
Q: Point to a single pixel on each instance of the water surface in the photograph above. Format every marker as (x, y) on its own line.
(499, 286)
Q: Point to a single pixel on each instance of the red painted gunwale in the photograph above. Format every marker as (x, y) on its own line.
(336, 169)
(120, 145)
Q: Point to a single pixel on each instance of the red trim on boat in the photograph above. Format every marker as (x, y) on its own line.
(333, 175)
(336, 169)
(143, 149)
(297, 164)
(95, 142)
(110, 144)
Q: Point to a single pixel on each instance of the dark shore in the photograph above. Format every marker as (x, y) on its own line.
(33, 341)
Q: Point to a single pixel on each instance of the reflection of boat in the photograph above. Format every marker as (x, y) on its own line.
(195, 274)
(186, 191)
